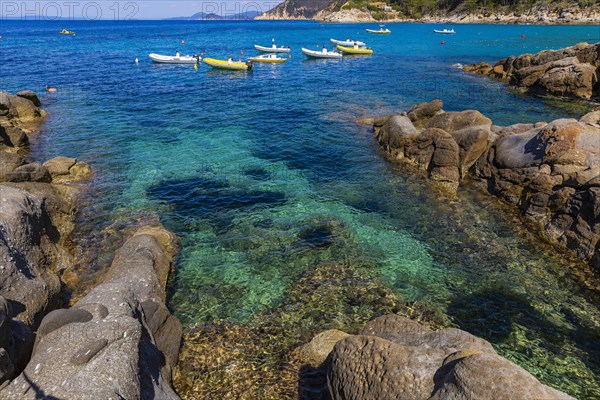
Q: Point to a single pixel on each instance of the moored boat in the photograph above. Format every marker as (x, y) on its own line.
(267, 58)
(348, 42)
(379, 32)
(272, 49)
(321, 53)
(228, 64)
(445, 31)
(176, 59)
(67, 32)
(355, 50)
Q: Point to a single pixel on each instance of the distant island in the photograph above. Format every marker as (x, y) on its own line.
(456, 11)
(202, 16)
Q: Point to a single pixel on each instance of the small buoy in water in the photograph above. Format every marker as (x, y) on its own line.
(443, 42)
(51, 89)
(523, 36)
(137, 60)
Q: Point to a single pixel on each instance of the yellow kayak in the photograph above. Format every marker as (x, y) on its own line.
(380, 31)
(225, 64)
(352, 50)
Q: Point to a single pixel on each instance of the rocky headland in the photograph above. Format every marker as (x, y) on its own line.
(119, 341)
(549, 171)
(571, 72)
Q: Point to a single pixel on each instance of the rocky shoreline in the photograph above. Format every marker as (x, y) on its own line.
(549, 171)
(119, 340)
(572, 72)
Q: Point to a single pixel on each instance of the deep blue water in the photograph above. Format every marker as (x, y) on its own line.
(241, 165)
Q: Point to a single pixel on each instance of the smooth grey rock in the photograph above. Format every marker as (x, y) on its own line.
(28, 248)
(119, 341)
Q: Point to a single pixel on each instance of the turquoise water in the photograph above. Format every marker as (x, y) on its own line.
(265, 175)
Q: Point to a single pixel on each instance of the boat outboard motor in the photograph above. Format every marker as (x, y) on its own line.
(249, 64)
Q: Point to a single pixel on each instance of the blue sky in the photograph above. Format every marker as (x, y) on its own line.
(123, 9)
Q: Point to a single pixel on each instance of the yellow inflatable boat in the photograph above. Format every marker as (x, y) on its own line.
(355, 50)
(228, 64)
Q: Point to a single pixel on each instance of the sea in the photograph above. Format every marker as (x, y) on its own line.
(265, 174)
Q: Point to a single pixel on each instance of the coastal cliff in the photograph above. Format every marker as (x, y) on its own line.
(455, 12)
(295, 9)
(549, 171)
(571, 72)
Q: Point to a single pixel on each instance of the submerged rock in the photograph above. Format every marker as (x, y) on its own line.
(214, 200)
(397, 358)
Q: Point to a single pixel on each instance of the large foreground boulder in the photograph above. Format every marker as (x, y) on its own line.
(397, 358)
(119, 341)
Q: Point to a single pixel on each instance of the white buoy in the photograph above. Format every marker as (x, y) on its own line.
(136, 60)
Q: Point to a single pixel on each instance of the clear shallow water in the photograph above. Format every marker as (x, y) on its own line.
(264, 175)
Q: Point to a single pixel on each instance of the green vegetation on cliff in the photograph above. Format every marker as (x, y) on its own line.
(561, 11)
(419, 8)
